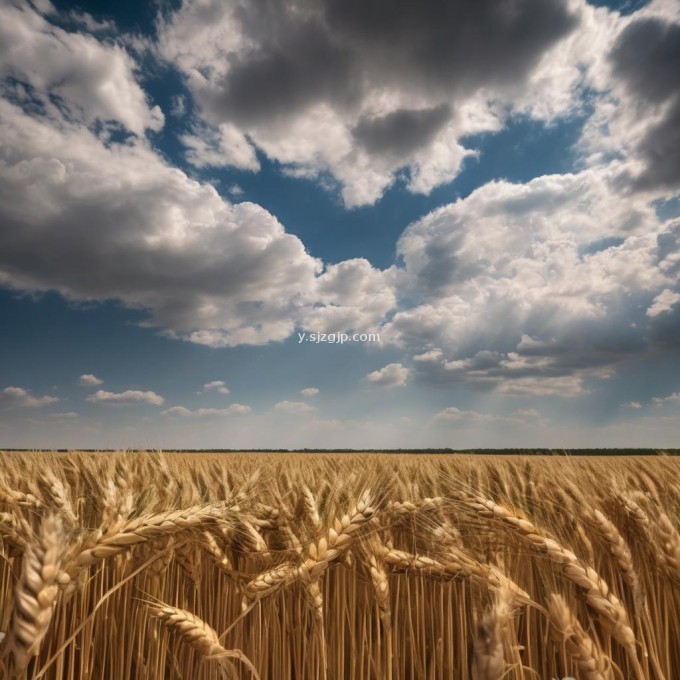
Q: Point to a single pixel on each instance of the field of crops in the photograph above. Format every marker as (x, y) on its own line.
(306, 566)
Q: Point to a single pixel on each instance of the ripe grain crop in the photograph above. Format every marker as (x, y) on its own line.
(338, 566)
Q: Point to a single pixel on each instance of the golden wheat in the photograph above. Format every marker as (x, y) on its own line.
(366, 567)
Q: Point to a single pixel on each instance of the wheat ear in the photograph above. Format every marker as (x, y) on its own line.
(35, 596)
(14, 497)
(198, 634)
(597, 593)
(144, 529)
(618, 548)
(488, 661)
(590, 661)
(669, 540)
(321, 553)
(14, 530)
(311, 507)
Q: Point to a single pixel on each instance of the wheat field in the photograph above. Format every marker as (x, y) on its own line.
(306, 566)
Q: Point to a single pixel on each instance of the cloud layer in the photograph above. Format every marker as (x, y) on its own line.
(183, 412)
(358, 89)
(98, 220)
(215, 273)
(557, 279)
(542, 288)
(297, 408)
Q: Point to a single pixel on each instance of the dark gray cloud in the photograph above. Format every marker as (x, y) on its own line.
(646, 57)
(362, 89)
(448, 45)
(401, 132)
(311, 51)
(660, 148)
(665, 331)
(294, 66)
(540, 352)
(668, 244)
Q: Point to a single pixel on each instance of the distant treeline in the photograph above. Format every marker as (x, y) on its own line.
(488, 452)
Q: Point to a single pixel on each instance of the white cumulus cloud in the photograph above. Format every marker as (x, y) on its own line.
(535, 288)
(217, 386)
(294, 407)
(350, 295)
(454, 415)
(207, 271)
(635, 405)
(12, 397)
(663, 302)
(183, 412)
(127, 398)
(93, 80)
(392, 375)
(89, 380)
(670, 399)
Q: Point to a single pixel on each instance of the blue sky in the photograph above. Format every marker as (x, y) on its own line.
(487, 199)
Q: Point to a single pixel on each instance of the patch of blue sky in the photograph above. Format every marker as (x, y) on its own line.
(130, 16)
(524, 149)
(624, 7)
(106, 340)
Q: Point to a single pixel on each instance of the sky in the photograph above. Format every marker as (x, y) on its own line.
(339, 224)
